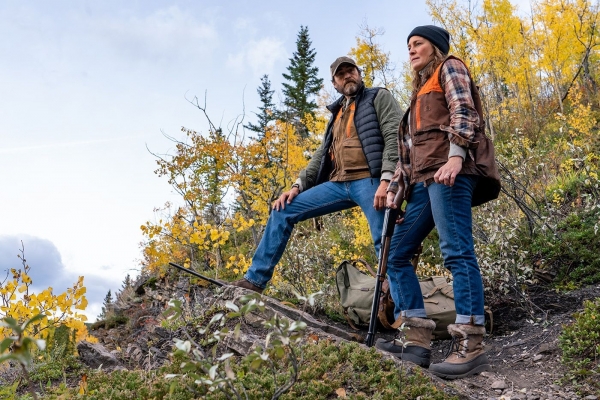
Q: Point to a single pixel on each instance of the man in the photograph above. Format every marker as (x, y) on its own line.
(352, 167)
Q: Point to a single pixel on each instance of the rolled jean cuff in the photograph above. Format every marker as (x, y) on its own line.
(416, 313)
(252, 281)
(466, 319)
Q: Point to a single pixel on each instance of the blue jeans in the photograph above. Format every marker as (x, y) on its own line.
(448, 209)
(319, 200)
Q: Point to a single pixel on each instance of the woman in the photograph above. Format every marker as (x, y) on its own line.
(436, 147)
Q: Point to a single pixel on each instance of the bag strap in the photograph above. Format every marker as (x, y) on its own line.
(382, 314)
(444, 286)
(415, 260)
(440, 285)
(489, 312)
(346, 278)
(384, 322)
(366, 264)
(349, 320)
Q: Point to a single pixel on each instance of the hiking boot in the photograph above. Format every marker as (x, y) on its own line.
(243, 283)
(467, 356)
(418, 342)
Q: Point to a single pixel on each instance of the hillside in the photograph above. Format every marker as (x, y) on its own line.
(522, 347)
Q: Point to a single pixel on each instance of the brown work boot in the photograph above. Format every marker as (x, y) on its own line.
(247, 285)
(467, 356)
(418, 342)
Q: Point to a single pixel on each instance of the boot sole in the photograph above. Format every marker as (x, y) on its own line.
(477, 370)
(420, 361)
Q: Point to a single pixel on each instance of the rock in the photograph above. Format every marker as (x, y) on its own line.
(242, 345)
(537, 357)
(162, 332)
(547, 348)
(141, 283)
(274, 306)
(499, 385)
(555, 387)
(94, 355)
(590, 397)
(254, 319)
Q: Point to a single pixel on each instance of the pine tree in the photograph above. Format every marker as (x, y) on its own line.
(108, 300)
(126, 283)
(302, 84)
(267, 110)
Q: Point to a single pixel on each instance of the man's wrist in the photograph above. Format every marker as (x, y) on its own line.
(295, 185)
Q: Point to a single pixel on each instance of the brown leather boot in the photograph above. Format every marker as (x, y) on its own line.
(243, 283)
(418, 342)
(467, 356)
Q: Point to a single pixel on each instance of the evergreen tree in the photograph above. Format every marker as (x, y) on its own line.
(126, 283)
(302, 84)
(267, 110)
(108, 300)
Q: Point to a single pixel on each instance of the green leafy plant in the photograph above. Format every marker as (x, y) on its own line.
(212, 372)
(20, 347)
(59, 359)
(580, 345)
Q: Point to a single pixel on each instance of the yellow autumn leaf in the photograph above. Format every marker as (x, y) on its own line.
(25, 278)
(82, 305)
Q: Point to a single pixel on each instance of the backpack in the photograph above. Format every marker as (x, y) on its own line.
(356, 290)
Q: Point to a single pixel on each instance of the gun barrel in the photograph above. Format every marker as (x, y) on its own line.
(191, 271)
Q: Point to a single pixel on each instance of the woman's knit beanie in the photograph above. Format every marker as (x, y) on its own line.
(436, 35)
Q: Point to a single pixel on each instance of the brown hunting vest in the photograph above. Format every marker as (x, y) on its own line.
(429, 120)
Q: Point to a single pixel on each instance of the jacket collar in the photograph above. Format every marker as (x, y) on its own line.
(336, 105)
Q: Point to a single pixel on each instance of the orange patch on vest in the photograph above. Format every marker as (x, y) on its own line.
(432, 85)
(352, 108)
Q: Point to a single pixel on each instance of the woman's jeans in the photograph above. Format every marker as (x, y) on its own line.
(448, 208)
(319, 200)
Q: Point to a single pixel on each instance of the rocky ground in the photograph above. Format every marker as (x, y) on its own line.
(524, 352)
(522, 347)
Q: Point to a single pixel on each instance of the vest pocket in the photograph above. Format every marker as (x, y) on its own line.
(353, 156)
(430, 149)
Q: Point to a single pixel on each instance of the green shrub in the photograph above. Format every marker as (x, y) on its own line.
(571, 252)
(325, 368)
(115, 320)
(580, 345)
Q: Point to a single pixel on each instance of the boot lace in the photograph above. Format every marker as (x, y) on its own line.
(400, 339)
(457, 347)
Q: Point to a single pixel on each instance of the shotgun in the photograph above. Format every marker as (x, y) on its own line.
(389, 223)
(191, 271)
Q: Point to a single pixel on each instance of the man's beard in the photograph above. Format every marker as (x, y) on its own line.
(350, 88)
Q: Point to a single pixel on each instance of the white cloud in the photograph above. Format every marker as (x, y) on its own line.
(258, 55)
(244, 24)
(48, 270)
(162, 34)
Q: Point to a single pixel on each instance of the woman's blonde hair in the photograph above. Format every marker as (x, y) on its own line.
(420, 77)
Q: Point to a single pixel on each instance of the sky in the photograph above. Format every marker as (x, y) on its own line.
(89, 88)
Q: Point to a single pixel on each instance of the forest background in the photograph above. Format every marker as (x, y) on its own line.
(538, 75)
(539, 82)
